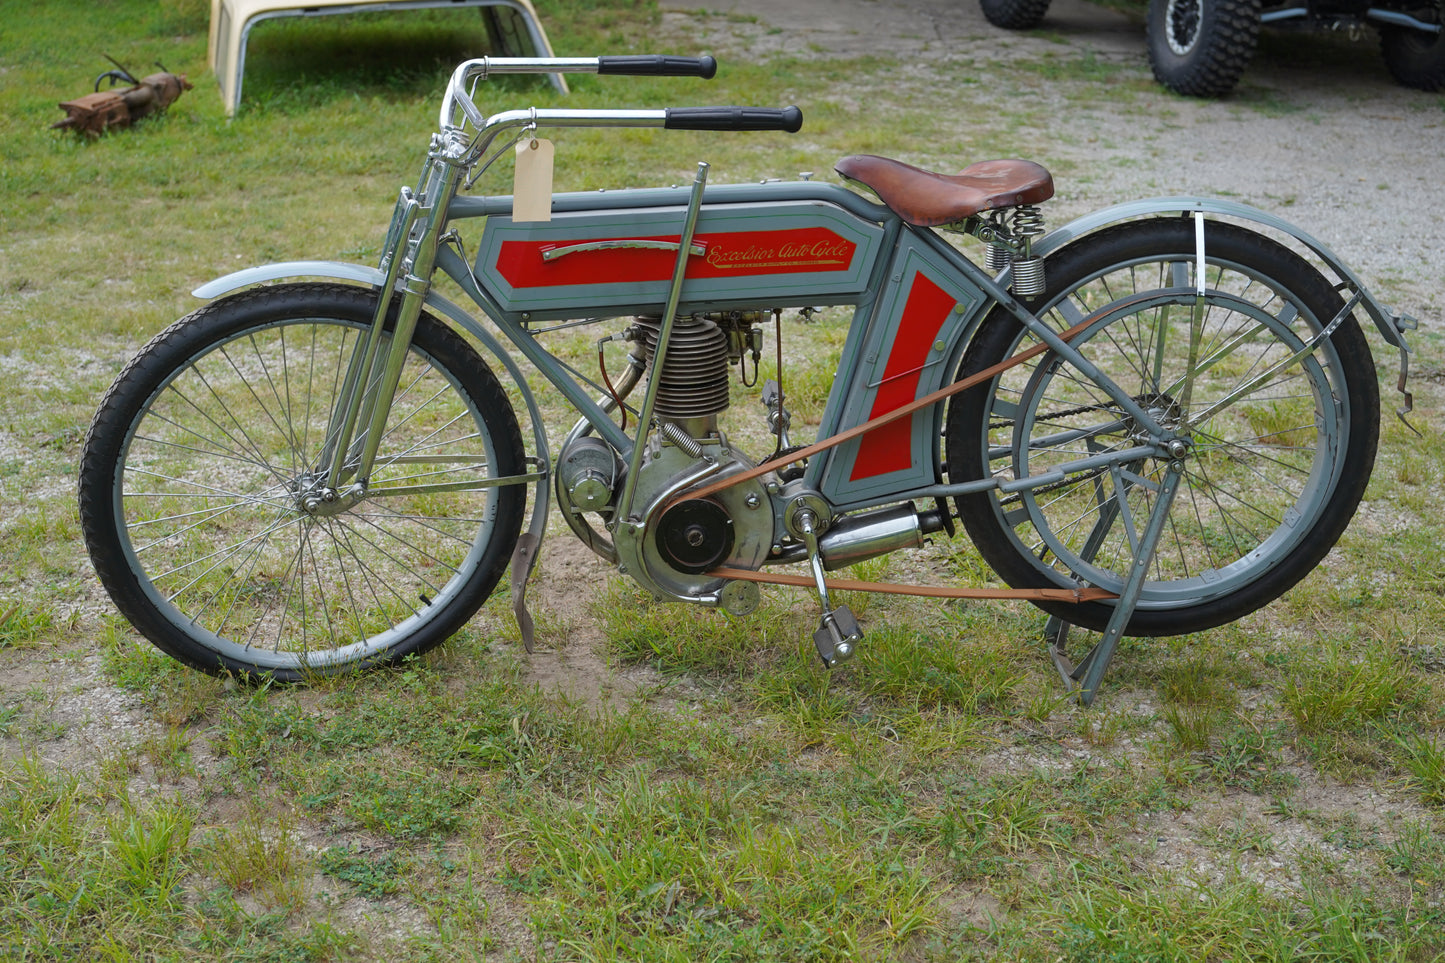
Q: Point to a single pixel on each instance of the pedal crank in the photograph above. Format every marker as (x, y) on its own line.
(838, 634)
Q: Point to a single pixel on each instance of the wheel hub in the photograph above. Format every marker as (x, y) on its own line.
(311, 496)
(1168, 414)
(1182, 25)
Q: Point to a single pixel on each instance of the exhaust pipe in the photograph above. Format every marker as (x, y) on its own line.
(857, 538)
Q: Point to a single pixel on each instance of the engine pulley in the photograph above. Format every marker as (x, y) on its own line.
(695, 535)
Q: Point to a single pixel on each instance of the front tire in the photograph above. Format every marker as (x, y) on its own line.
(1281, 439)
(1200, 48)
(202, 510)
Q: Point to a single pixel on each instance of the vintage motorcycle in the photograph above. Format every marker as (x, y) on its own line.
(1152, 420)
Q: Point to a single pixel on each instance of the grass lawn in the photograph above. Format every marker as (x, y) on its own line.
(661, 783)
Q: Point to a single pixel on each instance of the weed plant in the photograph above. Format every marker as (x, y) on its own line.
(662, 783)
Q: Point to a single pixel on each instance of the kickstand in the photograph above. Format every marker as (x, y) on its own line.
(524, 557)
(1085, 677)
(1056, 634)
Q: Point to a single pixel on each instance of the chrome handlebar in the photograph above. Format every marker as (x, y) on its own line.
(649, 65)
(458, 98)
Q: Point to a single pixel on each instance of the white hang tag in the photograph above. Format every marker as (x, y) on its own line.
(532, 182)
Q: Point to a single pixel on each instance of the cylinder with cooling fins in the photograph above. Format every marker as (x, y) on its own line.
(695, 378)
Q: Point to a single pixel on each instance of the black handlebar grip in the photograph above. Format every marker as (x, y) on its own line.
(789, 119)
(656, 65)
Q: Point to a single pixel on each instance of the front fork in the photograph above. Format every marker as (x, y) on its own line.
(372, 374)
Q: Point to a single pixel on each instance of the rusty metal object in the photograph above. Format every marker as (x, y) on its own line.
(98, 112)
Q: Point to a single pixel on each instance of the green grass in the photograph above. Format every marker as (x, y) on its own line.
(666, 783)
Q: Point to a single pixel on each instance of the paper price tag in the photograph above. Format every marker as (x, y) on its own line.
(532, 181)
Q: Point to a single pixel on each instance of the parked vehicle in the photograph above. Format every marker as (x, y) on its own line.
(1152, 420)
(1202, 47)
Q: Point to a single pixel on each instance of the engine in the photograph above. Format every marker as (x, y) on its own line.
(671, 543)
(734, 527)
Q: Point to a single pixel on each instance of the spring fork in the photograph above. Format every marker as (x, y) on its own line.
(408, 277)
(336, 451)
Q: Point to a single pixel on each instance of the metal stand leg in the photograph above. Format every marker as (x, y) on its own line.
(1089, 672)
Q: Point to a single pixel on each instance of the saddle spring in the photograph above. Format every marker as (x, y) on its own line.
(1014, 246)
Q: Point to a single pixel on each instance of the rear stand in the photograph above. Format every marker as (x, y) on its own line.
(1084, 677)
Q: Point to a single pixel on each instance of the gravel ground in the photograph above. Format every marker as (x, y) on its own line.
(1316, 131)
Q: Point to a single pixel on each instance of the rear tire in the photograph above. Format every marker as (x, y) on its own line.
(1200, 48)
(1280, 447)
(205, 520)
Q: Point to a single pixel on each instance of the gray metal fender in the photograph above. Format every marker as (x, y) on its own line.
(363, 274)
(1391, 324)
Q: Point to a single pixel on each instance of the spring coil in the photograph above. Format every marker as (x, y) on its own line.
(1028, 221)
(1028, 268)
(996, 257)
(1028, 276)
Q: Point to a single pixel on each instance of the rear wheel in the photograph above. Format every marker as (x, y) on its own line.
(206, 514)
(1200, 48)
(1280, 418)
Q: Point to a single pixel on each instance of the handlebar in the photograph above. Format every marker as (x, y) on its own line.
(789, 119)
(483, 67)
(457, 97)
(658, 66)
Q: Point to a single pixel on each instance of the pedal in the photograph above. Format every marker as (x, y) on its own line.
(838, 636)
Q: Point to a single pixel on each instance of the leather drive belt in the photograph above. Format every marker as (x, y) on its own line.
(1080, 594)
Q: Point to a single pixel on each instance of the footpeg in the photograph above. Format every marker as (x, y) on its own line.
(838, 636)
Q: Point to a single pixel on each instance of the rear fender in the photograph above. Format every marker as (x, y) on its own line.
(1391, 324)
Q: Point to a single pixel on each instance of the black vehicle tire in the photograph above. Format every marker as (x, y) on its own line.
(1014, 14)
(207, 523)
(1281, 440)
(1200, 48)
(1414, 58)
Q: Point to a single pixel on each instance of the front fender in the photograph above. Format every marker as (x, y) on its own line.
(289, 270)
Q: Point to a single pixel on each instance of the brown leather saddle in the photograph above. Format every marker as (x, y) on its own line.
(926, 199)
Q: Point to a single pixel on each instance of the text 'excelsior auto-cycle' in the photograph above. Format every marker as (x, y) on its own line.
(1150, 421)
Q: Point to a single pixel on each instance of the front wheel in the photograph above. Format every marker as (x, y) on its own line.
(1200, 48)
(1279, 411)
(204, 507)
